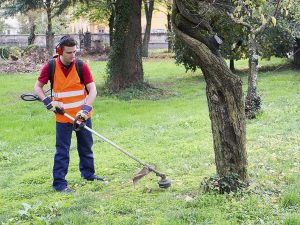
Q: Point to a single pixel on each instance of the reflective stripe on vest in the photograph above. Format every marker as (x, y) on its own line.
(72, 105)
(68, 94)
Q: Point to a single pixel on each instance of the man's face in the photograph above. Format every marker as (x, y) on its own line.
(68, 54)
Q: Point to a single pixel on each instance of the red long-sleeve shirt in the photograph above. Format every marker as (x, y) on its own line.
(86, 73)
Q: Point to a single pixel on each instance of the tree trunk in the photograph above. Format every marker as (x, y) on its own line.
(111, 24)
(31, 37)
(224, 91)
(87, 41)
(49, 32)
(31, 20)
(125, 61)
(231, 65)
(149, 5)
(169, 26)
(253, 101)
(297, 53)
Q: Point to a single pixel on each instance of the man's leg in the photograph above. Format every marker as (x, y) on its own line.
(84, 147)
(62, 157)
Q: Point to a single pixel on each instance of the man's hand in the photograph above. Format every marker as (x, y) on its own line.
(51, 105)
(84, 112)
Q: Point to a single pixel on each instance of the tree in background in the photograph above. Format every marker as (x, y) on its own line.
(252, 36)
(99, 11)
(233, 48)
(195, 23)
(148, 7)
(51, 7)
(2, 26)
(276, 41)
(255, 16)
(28, 20)
(125, 67)
(293, 23)
(60, 25)
(167, 10)
(24, 6)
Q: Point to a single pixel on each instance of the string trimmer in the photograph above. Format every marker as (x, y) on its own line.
(163, 183)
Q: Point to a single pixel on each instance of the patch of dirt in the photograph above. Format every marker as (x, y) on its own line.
(30, 61)
(93, 56)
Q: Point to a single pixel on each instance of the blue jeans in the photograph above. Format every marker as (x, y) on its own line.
(62, 156)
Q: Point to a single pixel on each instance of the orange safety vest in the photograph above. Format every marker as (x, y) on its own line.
(69, 92)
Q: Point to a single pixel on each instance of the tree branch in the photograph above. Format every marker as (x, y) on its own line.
(263, 27)
(193, 43)
(190, 17)
(237, 21)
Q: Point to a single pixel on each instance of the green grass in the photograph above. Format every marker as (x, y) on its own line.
(173, 133)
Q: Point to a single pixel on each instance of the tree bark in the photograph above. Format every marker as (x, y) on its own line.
(125, 61)
(169, 26)
(111, 25)
(31, 37)
(253, 101)
(149, 5)
(224, 89)
(49, 32)
(297, 53)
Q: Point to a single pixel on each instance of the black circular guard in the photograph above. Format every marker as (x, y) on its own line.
(29, 97)
(164, 183)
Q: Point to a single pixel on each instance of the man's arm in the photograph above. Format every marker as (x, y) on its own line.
(38, 88)
(87, 107)
(92, 93)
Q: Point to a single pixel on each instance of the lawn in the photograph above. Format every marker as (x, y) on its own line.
(171, 131)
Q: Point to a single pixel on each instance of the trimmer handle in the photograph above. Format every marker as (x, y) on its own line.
(77, 126)
(60, 111)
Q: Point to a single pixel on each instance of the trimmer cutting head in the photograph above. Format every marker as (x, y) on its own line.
(164, 183)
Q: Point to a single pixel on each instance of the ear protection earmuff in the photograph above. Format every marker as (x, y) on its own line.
(59, 50)
(58, 47)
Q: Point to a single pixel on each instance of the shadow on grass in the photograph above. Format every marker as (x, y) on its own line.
(167, 89)
(147, 91)
(143, 91)
(266, 70)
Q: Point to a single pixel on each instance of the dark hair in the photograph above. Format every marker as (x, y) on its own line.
(67, 40)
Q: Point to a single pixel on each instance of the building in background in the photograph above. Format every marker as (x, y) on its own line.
(158, 25)
(81, 26)
(12, 27)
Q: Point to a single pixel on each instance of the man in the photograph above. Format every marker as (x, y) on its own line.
(76, 99)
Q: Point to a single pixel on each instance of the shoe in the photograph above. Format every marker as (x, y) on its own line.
(66, 190)
(96, 178)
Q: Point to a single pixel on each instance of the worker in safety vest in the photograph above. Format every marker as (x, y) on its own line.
(76, 99)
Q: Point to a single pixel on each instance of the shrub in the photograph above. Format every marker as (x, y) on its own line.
(30, 49)
(4, 52)
(15, 53)
(223, 184)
